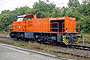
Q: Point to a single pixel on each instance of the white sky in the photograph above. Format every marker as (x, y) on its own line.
(12, 4)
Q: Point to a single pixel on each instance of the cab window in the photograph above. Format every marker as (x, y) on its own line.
(19, 19)
(27, 18)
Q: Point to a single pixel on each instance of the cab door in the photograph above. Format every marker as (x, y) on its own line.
(28, 24)
(22, 26)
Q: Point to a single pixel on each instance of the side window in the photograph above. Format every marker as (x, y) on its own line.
(27, 18)
(19, 19)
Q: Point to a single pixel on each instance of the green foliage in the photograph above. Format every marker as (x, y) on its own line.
(45, 10)
(74, 3)
(85, 23)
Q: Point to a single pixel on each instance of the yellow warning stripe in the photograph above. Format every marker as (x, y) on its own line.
(65, 40)
(77, 40)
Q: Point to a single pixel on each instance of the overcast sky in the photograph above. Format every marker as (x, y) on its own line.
(12, 4)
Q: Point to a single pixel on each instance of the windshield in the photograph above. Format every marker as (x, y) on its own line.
(19, 19)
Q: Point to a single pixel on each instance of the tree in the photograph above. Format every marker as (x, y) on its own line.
(85, 23)
(56, 12)
(43, 9)
(23, 10)
(74, 3)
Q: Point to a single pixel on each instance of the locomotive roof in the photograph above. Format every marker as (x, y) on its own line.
(25, 16)
(45, 18)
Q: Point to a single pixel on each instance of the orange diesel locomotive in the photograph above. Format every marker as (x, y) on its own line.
(47, 30)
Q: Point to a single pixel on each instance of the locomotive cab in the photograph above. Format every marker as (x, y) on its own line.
(25, 17)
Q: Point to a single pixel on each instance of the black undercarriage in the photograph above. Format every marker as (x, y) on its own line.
(48, 38)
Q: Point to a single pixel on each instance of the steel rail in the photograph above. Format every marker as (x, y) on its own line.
(80, 47)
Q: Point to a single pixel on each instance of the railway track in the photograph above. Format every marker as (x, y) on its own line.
(78, 47)
(2, 37)
(70, 46)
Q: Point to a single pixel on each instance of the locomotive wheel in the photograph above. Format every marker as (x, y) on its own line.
(12, 35)
(16, 36)
(21, 36)
(46, 40)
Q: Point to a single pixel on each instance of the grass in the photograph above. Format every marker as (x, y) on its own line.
(6, 34)
(86, 38)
